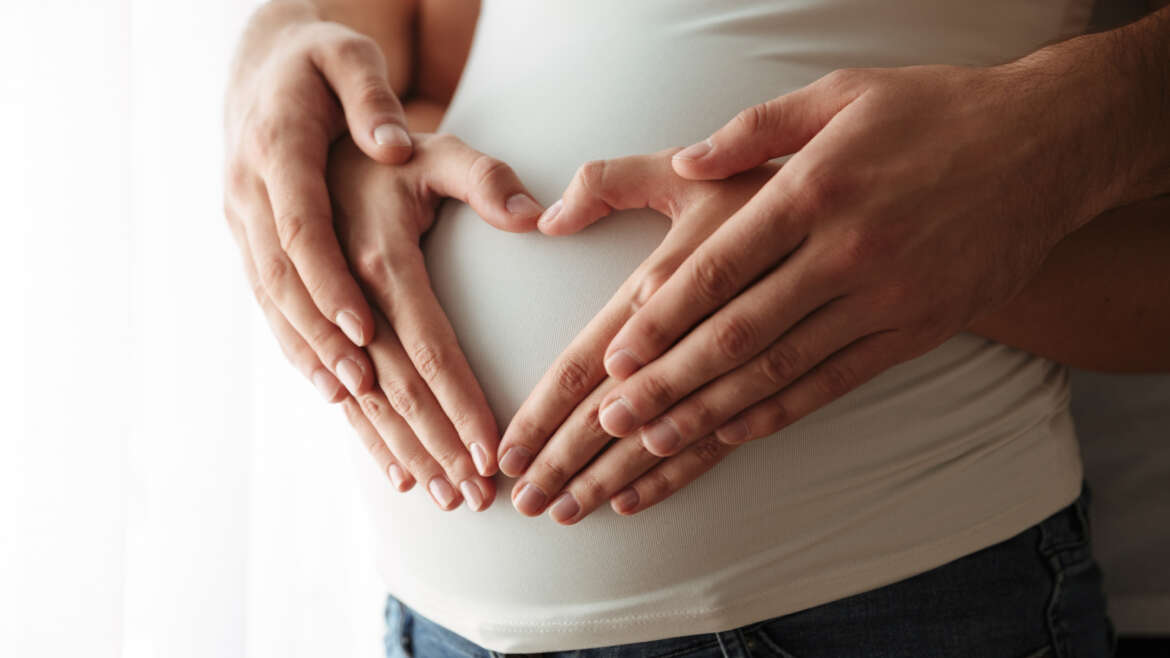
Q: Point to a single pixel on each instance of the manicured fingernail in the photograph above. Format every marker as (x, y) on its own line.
(326, 384)
(350, 373)
(661, 438)
(522, 205)
(389, 134)
(622, 364)
(471, 494)
(530, 499)
(515, 461)
(617, 418)
(733, 433)
(550, 215)
(479, 456)
(694, 151)
(564, 508)
(349, 323)
(441, 491)
(397, 477)
(625, 501)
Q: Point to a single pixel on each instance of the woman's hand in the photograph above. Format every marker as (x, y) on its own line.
(558, 422)
(427, 420)
(297, 84)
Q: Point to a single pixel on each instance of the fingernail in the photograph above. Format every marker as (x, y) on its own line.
(564, 508)
(694, 151)
(472, 495)
(515, 461)
(622, 364)
(479, 456)
(625, 501)
(522, 205)
(349, 323)
(550, 214)
(350, 373)
(617, 418)
(661, 438)
(530, 499)
(326, 384)
(441, 491)
(397, 477)
(732, 433)
(389, 134)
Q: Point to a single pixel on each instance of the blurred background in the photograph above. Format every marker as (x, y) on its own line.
(169, 486)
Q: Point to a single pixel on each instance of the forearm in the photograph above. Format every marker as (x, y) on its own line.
(1102, 299)
(1107, 102)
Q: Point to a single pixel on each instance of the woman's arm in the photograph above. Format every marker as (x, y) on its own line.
(1101, 301)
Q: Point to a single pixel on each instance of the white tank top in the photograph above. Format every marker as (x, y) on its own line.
(936, 458)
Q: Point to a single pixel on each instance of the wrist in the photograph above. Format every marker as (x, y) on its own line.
(1101, 102)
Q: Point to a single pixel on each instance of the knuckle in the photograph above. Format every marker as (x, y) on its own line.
(657, 392)
(274, 272)
(781, 364)
(591, 175)
(553, 471)
(572, 377)
(835, 379)
(428, 360)
(527, 432)
(590, 490)
(451, 461)
(735, 337)
(373, 408)
(658, 484)
(650, 283)
(593, 422)
(484, 168)
(419, 463)
(714, 278)
(776, 415)
(371, 267)
(754, 118)
(841, 79)
(267, 131)
(373, 91)
(352, 49)
(403, 396)
(323, 334)
(699, 418)
(460, 419)
(857, 248)
(290, 227)
(709, 450)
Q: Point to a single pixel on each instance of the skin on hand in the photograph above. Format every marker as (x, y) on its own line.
(889, 231)
(876, 242)
(558, 422)
(427, 416)
(284, 111)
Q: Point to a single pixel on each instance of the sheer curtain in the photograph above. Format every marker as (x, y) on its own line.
(169, 486)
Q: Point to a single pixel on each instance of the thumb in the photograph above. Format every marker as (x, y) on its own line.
(603, 186)
(356, 70)
(761, 132)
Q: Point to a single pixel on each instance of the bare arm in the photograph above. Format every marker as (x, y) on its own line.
(1101, 301)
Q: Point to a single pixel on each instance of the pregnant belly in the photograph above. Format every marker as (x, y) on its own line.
(918, 457)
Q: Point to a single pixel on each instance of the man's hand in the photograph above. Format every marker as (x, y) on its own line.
(427, 420)
(918, 199)
(285, 106)
(565, 401)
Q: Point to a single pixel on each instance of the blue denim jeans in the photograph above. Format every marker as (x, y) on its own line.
(1036, 594)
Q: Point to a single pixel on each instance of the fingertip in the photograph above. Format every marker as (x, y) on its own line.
(391, 144)
(547, 222)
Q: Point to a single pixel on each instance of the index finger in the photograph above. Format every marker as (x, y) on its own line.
(304, 222)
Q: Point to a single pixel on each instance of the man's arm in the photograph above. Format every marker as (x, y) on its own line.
(1101, 301)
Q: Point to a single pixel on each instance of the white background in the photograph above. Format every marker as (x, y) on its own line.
(153, 502)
